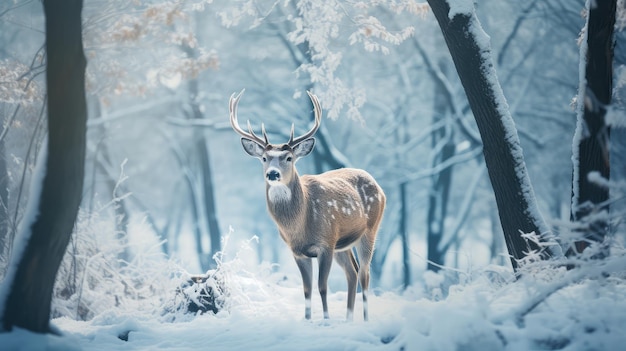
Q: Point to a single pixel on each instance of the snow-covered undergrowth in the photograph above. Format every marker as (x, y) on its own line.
(548, 307)
(100, 272)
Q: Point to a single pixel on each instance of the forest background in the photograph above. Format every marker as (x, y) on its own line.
(165, 175)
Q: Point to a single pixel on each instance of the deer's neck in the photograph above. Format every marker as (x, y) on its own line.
(286, 202)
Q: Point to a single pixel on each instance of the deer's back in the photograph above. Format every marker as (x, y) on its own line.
(347, 196)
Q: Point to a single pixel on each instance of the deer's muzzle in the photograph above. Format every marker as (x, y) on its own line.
(273, 175)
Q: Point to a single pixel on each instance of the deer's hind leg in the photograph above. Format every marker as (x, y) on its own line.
(365, 251)
(325, 261)
(347, 261)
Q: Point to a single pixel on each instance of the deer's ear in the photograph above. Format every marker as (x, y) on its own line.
(252, 148)
(304, 148)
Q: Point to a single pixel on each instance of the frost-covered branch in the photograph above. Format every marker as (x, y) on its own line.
(318, 27)
(116, 29)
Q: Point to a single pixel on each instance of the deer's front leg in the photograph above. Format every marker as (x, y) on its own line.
(306, 270)
(325, 260)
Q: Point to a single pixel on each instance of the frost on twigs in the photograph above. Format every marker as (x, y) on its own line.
(322, 31)
(102, 271)
(135, 48)
(546, 245)
(16, 85)
(369, 29)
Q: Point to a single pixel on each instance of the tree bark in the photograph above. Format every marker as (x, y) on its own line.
(404, 235)
(4, 211)
(468, 46)
(592, 132)
(28, 303)
(208, 195)
(209, 203)
(438, 208)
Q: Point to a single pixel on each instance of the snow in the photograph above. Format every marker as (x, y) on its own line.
(548, 307)
(460, 7)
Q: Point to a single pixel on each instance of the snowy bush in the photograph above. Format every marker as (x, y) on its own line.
(101, 271)
(198, 294)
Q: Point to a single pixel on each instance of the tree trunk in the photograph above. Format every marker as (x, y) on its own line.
(468, 46)
(441, 181)
(438, 208)
(497, 245)
(28, 303)
(206, 175)
(591, 143)
(4, 211)
(404, 235)
(209, 203)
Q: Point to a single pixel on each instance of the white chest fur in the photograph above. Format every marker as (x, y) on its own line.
(278, 193)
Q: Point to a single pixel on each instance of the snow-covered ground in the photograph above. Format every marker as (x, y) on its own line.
(583, 309)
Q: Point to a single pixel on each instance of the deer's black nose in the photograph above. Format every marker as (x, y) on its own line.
(273, 175)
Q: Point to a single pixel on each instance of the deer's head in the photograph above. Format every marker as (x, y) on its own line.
(278, 159)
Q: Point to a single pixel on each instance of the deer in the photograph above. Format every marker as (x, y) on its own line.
(318, 216)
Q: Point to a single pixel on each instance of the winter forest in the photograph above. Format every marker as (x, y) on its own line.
(132, 217)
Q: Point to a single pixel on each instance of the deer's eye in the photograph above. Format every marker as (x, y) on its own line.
(264, 159)
(289, 158)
